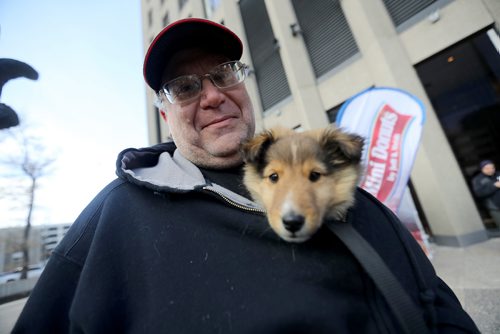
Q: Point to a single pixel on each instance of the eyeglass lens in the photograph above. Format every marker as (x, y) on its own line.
(189, 87)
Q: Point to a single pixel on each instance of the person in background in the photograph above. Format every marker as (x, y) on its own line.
(486, 186)
(176, 245)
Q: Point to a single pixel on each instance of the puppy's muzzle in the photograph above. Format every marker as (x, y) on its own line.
(293, 222)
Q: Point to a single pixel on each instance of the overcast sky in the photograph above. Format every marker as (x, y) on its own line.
(89, 102)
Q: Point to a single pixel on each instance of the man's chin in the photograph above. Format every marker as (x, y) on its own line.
(224, 151)
(225, 144)
(220, 161)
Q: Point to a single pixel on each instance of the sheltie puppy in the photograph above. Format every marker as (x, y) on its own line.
(302, 178)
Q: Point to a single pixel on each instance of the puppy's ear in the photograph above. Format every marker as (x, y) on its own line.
(254, 150)
(341, 147)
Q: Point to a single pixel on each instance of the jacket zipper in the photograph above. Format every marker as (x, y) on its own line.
(233, 203)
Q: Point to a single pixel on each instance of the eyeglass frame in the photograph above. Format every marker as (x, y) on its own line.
(244, 67)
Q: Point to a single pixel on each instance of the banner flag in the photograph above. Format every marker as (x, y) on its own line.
(391, 121)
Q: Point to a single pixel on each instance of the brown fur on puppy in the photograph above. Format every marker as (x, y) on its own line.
(302, 178)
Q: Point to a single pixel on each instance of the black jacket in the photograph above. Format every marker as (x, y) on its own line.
(484, 188)
(179, 254)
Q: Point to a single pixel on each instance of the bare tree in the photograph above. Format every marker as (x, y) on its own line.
(26, 161)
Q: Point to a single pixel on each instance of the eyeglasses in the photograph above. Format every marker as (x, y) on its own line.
(188, 87)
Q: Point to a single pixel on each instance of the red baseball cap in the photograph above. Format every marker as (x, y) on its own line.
(184, 34)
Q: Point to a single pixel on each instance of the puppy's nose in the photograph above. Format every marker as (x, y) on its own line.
(293, 222)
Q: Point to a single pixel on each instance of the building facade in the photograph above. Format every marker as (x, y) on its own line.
(309, 56)
(41, 242)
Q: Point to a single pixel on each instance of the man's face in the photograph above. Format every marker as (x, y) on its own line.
(488, 169)
(209, 130)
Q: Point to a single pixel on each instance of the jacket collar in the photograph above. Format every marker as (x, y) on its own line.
(163, 168)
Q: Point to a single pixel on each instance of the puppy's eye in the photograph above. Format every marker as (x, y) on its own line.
(274, 177)
(314, 176)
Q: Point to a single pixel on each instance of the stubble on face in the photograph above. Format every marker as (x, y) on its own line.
(209, 131)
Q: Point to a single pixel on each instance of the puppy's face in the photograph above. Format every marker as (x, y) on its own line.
(302, 178)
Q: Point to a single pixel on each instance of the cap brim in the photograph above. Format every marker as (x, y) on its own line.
(184, 34)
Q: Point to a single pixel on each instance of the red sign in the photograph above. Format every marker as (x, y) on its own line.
(384, 154)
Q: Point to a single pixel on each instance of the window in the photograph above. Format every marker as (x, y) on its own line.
(264, 49)
(327, 36)
(182, 3)
(165, 20)
(150, 18)
(332, 113)
(211, 6)
(402, 11)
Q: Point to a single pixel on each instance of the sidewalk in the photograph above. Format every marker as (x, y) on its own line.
(473, 273)
(9, 313)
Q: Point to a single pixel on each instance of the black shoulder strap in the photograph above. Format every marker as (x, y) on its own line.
(407, 313)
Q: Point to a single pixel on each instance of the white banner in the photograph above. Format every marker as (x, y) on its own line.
(391, 122)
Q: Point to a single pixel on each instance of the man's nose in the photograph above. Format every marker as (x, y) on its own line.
(211, 96)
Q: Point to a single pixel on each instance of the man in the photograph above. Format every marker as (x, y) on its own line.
(486, 186)
(175, 245)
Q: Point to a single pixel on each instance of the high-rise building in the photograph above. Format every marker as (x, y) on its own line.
(41, 242)
(309, 56)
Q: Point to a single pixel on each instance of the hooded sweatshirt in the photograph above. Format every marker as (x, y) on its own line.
(166, 248)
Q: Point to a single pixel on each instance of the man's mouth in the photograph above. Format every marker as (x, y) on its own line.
(219, 122)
